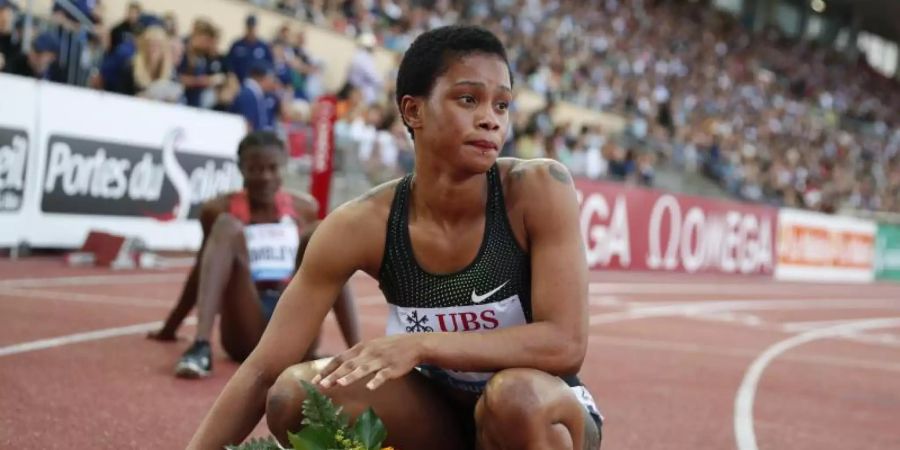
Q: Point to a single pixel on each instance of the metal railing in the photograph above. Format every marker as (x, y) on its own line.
(75, 57)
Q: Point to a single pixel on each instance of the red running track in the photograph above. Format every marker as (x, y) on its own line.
(673, 361)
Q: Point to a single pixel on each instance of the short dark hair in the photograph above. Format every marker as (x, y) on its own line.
(429, 55)
(259, 140)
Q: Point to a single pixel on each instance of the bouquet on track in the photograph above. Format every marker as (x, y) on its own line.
(326, 427)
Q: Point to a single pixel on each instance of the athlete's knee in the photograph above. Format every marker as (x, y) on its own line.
(285, 398)
(226, 227)
(513, 402)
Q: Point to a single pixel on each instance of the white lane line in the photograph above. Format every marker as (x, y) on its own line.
(106, 333)
(706, 307)
(85, 298)
(93, 280)
(743, 403)
(776, 289)
(88, 336)
(806, 325)
(605, 300)
(709, 350)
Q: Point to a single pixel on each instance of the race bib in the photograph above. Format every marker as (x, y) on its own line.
(483, 317)
(273, 249)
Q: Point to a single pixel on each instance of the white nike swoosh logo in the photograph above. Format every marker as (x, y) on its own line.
(480, 298)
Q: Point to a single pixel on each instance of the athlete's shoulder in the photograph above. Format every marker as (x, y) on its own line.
(379, 196)
(533, 173)
(531, 183)
(358, 228)
(304, 204)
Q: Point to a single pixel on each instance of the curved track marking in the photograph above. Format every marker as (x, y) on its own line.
(743, 403)
(695, 308)
(94, 280)
(30, 293)
(95, 335)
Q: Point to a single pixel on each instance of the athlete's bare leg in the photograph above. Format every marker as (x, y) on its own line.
(414, 412)
(186, 302)
(225, 287)
(529, 409)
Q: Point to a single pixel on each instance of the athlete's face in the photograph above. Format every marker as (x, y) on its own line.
(466, 117)
(261, 169)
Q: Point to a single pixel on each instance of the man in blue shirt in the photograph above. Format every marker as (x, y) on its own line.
(126, 28)
(256, 100)
(199, 70)
(248, 49)
(38, 62)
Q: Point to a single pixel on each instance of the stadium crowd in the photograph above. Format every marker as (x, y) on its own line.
(771, 119)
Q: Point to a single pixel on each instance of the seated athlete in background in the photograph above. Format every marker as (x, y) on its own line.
(483, 266)
(253, 241)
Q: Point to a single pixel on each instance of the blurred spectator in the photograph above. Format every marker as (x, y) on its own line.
(38, 62)
(9, 39)
(644, 170)
(283, 35)
(170, 23)
(542, 120)
(350, 103)
(252, 101)
(176, 43)
(621, 162)
(200, 72)
(283, 71)
(367, 133)
(117, 60)
(247, 50)
(382, 162)
(310, 11)
(150, 71)
(128, 28)
(531, 144)
(406, 154)
(306, 72)
(398, 37)
(363, 72)
(225, 93)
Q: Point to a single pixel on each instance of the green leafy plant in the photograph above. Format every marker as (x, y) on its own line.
(326, 427)
(256, 444)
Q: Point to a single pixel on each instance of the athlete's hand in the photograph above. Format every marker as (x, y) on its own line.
(162, 335)
(387, 357)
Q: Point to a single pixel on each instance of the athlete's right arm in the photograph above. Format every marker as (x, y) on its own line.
(336, 250)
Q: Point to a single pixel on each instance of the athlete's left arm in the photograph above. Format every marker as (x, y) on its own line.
(555, 341)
